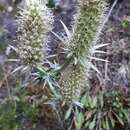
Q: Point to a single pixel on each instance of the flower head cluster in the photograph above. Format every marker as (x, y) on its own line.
(34, 22)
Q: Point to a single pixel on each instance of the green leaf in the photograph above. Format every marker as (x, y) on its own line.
(103, 124)
(112, 120)
(51, 3)
(68, 113)
(101, 100)
(52, 88)
(94, 102)
(83, 100)
(87, 124)
(107, 123)
(16, 127)
(119, 119)
(90, 101)
(127, 115)
(126, 23)
(92, 124)
(79, 119)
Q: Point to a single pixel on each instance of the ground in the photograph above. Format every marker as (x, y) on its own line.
(115, 72)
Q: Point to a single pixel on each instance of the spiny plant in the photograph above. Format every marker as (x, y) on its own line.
(79, 49)
(48, 75)
(34, 22)
(103, 111)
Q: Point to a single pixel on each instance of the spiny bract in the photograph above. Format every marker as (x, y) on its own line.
(34, 22)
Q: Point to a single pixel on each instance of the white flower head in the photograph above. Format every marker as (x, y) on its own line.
(34, 23)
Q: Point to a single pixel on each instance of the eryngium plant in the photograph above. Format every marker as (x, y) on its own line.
(34, 22)
(88, 22)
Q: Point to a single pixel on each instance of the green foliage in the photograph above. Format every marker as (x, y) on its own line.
(103, 111)
(16, 109)
(48, 75)
(3, 45)
(2, 8)
(51, 3)
(126, 23)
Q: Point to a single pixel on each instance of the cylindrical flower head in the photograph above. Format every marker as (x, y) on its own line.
(88, 21)
(73, 81)
(87, 25)
(34, 22)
